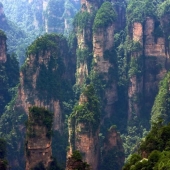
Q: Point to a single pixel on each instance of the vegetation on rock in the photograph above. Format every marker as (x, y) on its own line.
(39, 117)
(161, 107)
(154, 150)
(105, 16)
(88, 112)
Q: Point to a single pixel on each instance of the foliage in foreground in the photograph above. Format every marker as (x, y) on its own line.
(154, 150)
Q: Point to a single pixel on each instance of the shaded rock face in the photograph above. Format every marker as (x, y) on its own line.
(43, 15)
(73, 164)
(38, 149)
(113, 151)
(59, 15)
(3, 165)
(156, 62)
(90, 5)
(3, 21)
(83, 39)
(37, 13)
(38, 144)
(3, 56)
(121, 14)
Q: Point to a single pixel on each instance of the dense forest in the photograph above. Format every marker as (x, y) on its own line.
(84, 84)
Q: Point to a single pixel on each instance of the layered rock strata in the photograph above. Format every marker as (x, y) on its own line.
(154, 63)
(113, 151)
(38, 141)
(83, 133)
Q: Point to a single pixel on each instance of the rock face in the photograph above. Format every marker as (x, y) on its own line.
(75, 162)
(154, 46)
(3, 22)
(84, 131)
(84, 41)
(59, 15)
(120, 7)
(3, 49)
(37, 76)
(105, 60)
(102, 43)
(43, 15)
(113, 151)
(9, 72)
(154, 58)
(38, 141)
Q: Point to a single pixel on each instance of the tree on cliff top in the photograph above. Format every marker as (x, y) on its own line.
(105, 16)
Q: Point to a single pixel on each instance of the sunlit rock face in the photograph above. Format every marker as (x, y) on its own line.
(84, 135)
(103, 41)
(156, 62)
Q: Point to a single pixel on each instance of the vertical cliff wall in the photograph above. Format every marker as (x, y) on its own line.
(43, 74)
(38, 140)
(75, 162)
(83, 26)
(3, 22)
(9, 71)
(112, 151)
(135, 72)
(151, 65)
(59, 15)
(103, 53)
(84, 128)
(3, 47)
(156, 61)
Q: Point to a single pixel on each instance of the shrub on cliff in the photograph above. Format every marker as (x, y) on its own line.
(105, 16)
(41, 117)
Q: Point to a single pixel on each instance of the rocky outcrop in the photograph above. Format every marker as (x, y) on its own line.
(84, 41)
(112, 151)
(102, 50)
(75, 162)
(86, 142)
(3, 20)
(102, 40)
(37, 86)
(120, 7)
(29, 97)
(154, 59)
(38, 141)
(138, 32)
(3, 48)
(37, 8)
(90, 5)
(59, 15)
(154, 46)
(84, 128)
(156, 62)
